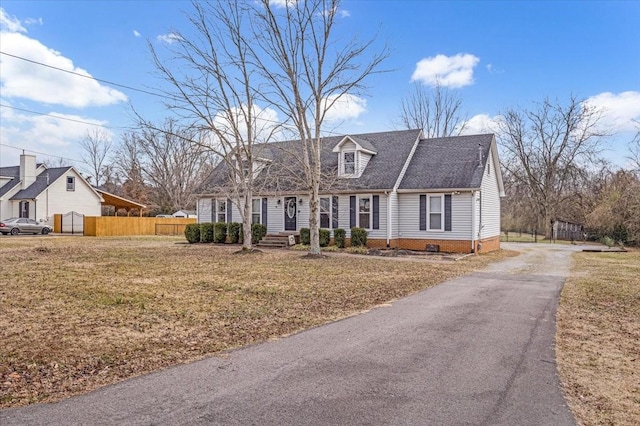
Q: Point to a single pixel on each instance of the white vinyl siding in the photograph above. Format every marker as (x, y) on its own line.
(362, 161)
(275, 215)
(490, 202)
(395, 226)
(409, 218)
(57, 199)
(204, 210)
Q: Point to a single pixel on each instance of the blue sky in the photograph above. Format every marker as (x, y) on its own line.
(494, 55)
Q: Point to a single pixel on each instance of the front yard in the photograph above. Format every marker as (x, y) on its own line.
(598, 340)
(82, 312)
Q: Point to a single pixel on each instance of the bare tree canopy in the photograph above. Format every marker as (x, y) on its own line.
(250, 60)
(307, 72)
(213, 85)
(436, 111)
(546, 150)
(96, 148)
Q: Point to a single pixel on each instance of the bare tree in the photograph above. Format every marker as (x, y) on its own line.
(436, 111)
(173, 165)
(214, 86)
(307, 72)
(96, 148)
(547, 149)
(634, 148)
(128, 174)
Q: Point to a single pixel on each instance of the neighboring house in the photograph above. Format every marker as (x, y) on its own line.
(35, 191)
(185, 213)
(406, 191)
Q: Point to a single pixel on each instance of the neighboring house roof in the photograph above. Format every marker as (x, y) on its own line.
(439, 163)
(455, 162)
(11, 171)
(43, 180)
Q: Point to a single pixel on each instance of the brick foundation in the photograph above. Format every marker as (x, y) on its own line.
(449, 246)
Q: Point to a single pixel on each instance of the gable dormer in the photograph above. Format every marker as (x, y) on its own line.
(353, 156)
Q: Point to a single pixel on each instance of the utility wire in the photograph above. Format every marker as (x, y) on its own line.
(82, 75)
(43, 153)
(61, 118)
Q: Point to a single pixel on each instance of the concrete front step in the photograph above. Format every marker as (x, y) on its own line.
(278, 240)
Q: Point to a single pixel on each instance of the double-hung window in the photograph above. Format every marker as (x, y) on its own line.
(364, 212)
(222, 211)
(349, 162)
(256, 210)
(71, 183)
(435, 216)
(325, 212)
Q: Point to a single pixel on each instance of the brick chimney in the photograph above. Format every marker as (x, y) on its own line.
(27, 170)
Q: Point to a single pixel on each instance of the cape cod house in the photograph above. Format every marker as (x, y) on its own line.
(35, 191)
(406, 191)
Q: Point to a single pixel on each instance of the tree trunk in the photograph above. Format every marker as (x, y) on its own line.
(247, 244)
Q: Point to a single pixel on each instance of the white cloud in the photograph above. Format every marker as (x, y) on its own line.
(169, 38)
(10, 23)
(21, 79)
(282, 3)
(46, 134)
(345, 108)
(266, 123)
(481, 123)
(32, 21)
(449, 71)
(136, 33)
(618, 110)
(344, 13)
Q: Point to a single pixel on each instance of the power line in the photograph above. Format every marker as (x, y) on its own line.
(82, 75)
(42, 153)
(62, 118)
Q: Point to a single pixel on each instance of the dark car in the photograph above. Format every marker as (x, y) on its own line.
(22, 225)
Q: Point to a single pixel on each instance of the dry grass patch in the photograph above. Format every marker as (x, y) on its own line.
(598, 341)
(78, 313)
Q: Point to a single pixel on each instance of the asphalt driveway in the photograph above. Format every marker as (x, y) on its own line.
(476, 350)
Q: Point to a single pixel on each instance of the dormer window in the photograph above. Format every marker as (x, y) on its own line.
(349, 162)
(353, 156)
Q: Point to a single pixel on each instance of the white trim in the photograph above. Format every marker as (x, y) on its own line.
(358, 198)
(441, 212)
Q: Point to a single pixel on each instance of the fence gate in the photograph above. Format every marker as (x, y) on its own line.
(73, 223)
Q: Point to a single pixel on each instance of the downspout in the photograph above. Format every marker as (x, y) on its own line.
(473, 221)
(480, 220)
(389, 224)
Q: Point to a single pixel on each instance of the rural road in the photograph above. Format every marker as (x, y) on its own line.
(477, 350)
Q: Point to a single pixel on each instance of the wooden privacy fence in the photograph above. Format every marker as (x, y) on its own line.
(111, 226)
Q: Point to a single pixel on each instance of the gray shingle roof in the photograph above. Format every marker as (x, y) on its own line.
(9, 171)
(439, 163)
(448, 163)
(41, 183)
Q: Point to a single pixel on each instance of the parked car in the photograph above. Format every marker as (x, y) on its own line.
(22, 225)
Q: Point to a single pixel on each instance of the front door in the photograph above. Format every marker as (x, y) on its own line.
(290, 212)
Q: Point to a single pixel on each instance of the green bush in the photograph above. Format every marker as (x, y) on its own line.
(608, 241)
(220, 232)
(620, 233)
(206, 232)
(257, 232)
(358, 237)
(339, 236)
(192, 233)
(305, 236)
(234, 232)
(325, 236)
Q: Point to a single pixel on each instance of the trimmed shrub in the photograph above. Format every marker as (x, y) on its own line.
(257, 232)
(192, 233)
(206, 232)
(358, 237)
(234, 232)
(220, 232)
(339, 236)
(305, 236)
(325, 236)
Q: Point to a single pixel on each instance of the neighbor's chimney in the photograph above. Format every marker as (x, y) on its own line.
(27, 170)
